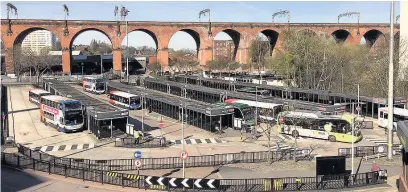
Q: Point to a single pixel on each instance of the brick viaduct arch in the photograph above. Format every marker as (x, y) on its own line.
(13, 31)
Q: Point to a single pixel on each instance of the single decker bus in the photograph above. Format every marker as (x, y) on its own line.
(93, 85)
(123, 99)
(314, 125)
(63, 113)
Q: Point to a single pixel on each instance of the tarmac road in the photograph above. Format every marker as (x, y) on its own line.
(16, 180)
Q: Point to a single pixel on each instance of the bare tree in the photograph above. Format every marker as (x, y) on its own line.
(42, 61)
(154, 67)
(20, 61)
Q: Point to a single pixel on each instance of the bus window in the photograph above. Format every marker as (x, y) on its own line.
(134, 101)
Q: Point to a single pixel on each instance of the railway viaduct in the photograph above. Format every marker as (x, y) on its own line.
(13, 32)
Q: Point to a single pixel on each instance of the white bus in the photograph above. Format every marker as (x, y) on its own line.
(94, 85)
(262, 108)
(65, 114)
(315, 125)
(34, 95)
(124, 99)
(399, 115)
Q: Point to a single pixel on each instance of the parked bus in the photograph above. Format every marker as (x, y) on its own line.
(267, 111)
(94, 85)
(244, 116)
(314, 125)
(124, 99)
(65, 114)
(34, 95)
(400, 114)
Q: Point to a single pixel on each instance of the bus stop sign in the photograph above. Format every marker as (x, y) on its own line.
(161, 123)
(358, 108)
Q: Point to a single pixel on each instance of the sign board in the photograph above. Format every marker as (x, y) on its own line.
(138, 163)
(381, 149)
(358, 108)
(138, 155)
(183, 155)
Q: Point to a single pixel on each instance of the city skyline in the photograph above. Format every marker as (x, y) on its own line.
(301, 12)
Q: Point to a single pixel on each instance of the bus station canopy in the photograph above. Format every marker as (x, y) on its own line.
(101, 109)
(201, 107)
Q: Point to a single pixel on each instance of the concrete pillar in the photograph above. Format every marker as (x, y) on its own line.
(205, 55)
(242, 55)
(117, 59)
(9, 59)
(66, 60)
(163, 56)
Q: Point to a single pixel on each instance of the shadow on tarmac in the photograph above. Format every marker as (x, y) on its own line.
(15, 180)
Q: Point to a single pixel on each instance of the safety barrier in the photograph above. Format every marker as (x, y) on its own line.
(363, 151)
(171, 162)
(195, 184)
(130, 142)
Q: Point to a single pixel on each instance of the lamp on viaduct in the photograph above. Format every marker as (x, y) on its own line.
(161, 33)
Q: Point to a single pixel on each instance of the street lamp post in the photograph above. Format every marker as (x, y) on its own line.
(182, 135)
(101, 65)
(352, 139)
(82, 65)
(391, 84)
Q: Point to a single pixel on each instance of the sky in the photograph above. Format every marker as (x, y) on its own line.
(228, 11)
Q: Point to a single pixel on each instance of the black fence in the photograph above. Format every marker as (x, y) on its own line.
(363, 151)
(175, 184)
(131, 142)
(171, 162)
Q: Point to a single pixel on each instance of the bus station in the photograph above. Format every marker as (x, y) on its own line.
(212, 95)
(100, 118)
(370, 108)
(202, 115)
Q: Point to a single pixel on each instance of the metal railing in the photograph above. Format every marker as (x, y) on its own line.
(226, 185)
(363, 151)
(130, 142)
(171, 162)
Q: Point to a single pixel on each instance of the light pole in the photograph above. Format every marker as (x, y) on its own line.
(358, 100)
(182, 134)
(143, 101)
(101, 65)
(391, 84)
(82, 65)
(124, 14)
(256, 109)
(352, 139)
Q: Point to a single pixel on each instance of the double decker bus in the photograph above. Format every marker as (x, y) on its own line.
(93, 85)
(267, 111)
(63, 113)
(314, 125)
(124, 99)
(244, 115)
(400, 114)
(34, 95)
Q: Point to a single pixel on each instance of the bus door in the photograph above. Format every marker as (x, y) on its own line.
(238, 118)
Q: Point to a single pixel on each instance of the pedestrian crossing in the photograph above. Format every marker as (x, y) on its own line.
(63, 147)
(289, 137)
(280, 146)
(377, 141)
(197, 141)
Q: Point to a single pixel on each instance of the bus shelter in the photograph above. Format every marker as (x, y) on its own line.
(98, 116)
(211, 95)
(206, 116)
(402, 133)
(299, 94)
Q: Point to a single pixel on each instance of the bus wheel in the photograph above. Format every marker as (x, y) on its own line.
(295, 134)
(332, 138)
